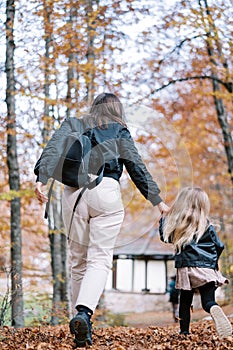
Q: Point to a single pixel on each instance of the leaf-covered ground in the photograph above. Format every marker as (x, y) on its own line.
(116, 338)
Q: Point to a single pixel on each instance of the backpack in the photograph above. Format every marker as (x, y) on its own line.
(74, 164)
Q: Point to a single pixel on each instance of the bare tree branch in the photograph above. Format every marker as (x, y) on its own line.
(179, 45)
(228, 86)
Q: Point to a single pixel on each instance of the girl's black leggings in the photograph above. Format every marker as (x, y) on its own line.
(207, 293)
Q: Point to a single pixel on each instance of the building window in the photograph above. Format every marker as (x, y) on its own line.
(138, 275)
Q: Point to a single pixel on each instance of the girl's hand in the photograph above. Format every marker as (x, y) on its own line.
(42, 198)
(164, 209)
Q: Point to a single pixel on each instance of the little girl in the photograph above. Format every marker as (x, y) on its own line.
(197, 250)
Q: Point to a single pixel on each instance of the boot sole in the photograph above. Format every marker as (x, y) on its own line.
(79, 327)
(223, 325)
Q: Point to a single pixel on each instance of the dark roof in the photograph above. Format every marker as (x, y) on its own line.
(147, 245)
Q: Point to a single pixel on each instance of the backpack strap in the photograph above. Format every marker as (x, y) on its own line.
(74, 208)
(49, 198)
(89, 186)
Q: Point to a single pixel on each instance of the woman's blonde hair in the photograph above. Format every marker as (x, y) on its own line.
(106, 108)
(187, 218)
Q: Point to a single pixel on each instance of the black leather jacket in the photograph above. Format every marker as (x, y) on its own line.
(204, 253)
(118, 148)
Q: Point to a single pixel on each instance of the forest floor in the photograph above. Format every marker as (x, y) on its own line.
(165, 318)
(153, 331)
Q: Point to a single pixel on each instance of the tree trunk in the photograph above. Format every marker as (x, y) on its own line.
(214, 50)
(226, 131)
(56, 237)
(90, 55)
(13, 168)
(58, 248)
(48, 120)
(72, 73)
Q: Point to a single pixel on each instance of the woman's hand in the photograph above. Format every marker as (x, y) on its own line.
(164, 209)
(42, 198)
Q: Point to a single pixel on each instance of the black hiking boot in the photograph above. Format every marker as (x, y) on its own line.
(81, 327)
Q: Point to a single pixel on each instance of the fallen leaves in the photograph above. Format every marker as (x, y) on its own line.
(203, 337)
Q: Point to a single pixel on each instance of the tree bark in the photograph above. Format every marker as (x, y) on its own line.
(48, 120)
(90, 55)
(58, 259)
(225, 127)
(214, 50)
(72, 73)
(13, 168)
(217, 59)
(58, 248)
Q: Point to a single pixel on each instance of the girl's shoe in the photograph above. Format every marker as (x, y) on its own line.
(223, 325)
(184, 332)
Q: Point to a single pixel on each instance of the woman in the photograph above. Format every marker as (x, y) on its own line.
(99, 214)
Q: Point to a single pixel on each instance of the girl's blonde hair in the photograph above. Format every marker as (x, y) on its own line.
(187, 218)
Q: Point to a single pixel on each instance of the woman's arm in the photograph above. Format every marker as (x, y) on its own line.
(138, 171)
(51, 154)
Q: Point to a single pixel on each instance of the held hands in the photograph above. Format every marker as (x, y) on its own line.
(164, 209)
(42, 198)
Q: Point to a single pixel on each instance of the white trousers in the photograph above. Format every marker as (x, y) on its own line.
(96, 224)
